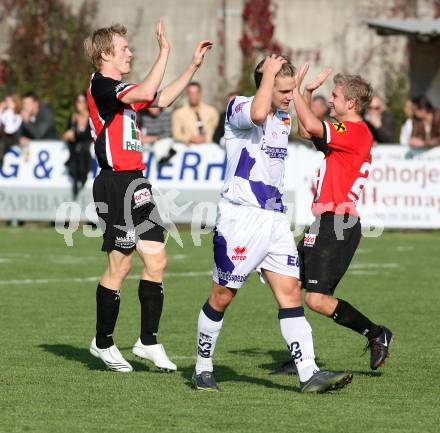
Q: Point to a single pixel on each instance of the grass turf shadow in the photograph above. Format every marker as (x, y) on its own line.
(227, 374)
(279, 357)
(83, 356)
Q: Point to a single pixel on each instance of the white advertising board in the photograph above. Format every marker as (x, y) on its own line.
(401, 192)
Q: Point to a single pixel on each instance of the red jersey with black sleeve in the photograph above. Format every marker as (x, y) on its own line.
(119, 147)
(345, 168)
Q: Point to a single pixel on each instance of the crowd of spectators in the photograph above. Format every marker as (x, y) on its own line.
(195, 121)
(26, 118)
(420, 131)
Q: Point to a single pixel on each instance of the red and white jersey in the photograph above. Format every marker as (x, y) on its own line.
(345, 168)
(119, 148)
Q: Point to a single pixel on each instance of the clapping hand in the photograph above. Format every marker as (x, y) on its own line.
(162, 40)
(319, 80)
(200, 52)
(314, 84)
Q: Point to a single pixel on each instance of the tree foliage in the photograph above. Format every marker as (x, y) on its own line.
(45, 53)
(257, 39)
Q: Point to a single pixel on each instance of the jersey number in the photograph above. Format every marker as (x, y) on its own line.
(320, 179)
(359, 184)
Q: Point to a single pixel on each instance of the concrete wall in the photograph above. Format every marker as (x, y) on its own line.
(322, 33)
(186, 23)
(318, 31)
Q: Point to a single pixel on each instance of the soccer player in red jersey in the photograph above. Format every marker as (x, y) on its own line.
(329, 246)
(123, 196)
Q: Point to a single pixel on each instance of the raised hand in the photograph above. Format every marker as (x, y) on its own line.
(162, 40)
(319, 80)
(200, 52)
(273, 64)
(300, 74)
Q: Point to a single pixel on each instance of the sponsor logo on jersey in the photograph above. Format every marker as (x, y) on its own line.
(309, 240)
(275, 152)
(239, 253)
(133, 136)
(141, 197)
(339, 126)
(133, 145)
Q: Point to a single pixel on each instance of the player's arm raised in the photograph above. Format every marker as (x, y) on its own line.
(171, 92)
(302, 131)
(308, 91)
(262, 102)
(146, 90)
(312, 125)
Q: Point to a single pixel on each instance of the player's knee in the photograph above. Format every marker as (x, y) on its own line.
(219, 300)
(156, 267)
(121, 271)
(315, 301)
(161, 264)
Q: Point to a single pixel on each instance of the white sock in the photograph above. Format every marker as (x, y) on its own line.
(298, 335)
(208, 331)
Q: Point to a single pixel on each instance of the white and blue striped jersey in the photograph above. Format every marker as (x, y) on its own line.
(255, 156)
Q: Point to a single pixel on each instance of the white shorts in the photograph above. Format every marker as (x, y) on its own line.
(247, 238)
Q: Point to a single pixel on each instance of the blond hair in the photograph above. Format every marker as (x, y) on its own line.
(16, 99)
(287, 70)
(101, 41)
(355, 87)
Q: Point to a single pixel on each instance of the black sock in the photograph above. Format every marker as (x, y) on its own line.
(107, 309)
(346, 315)
(151, 299)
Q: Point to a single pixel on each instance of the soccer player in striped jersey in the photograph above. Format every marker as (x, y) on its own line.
(123, 197)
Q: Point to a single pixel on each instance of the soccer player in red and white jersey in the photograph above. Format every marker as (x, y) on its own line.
(329, 246)
(122, 195)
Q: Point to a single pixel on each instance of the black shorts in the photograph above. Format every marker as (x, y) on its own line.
(140, 220)
(325, 252)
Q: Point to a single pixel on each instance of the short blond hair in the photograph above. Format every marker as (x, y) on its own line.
(101, 41)
(355, 87)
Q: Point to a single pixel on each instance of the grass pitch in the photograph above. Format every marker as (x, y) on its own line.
(50, 383)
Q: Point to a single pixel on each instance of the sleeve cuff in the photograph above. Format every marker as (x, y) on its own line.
(327, 136)
(128, 89)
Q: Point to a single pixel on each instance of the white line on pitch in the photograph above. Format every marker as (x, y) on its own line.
(374, 266)
(96, 278)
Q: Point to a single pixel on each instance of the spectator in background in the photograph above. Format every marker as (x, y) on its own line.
(79, 139)
(195, 122)
(155, 125)
(380, 122)
(220, 130)
(426, 125)
(406, 130)
(10, 123)
(38, 121)
(320, 108)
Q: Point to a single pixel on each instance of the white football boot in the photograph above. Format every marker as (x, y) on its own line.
(111, 357)
(154, 353)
